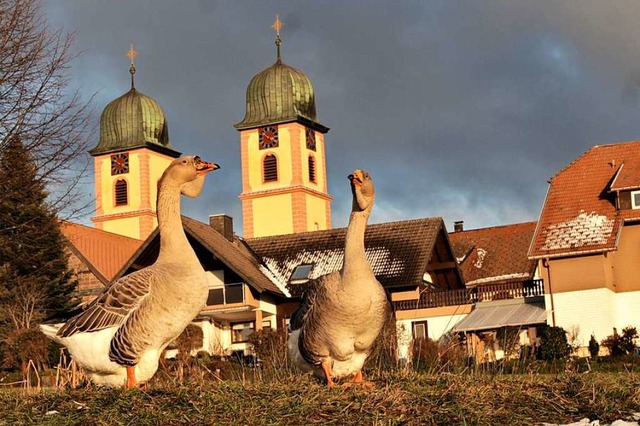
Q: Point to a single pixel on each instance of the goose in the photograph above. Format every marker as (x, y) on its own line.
(119, 337)
(342, 313)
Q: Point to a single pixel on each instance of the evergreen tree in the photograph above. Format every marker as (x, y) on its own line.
(35, 281)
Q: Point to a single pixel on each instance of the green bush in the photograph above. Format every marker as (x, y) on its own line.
(594, 347)
(621, 344)
(553, 343)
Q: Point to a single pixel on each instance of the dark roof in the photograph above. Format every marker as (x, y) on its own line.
(579, 215)
(236, 255)
(398, 252)
(496, 254)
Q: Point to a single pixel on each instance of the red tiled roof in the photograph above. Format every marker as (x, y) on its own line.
(397, 251)
(496, 254)
(105, 251)
(579, 214)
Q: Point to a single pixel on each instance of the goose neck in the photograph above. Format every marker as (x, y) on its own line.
(173, 241)
(355, 259)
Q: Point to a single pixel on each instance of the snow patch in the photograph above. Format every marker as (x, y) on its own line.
(518, 275)
(272, 277)
(584, 230)
(481, 253)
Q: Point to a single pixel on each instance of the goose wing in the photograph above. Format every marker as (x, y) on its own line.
(316, 290)
(112, 307)
(308, 317)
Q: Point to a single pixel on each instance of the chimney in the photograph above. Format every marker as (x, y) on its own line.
(458, 226)
(223, 224)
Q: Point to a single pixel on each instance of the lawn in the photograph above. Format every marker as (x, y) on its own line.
(399, 397)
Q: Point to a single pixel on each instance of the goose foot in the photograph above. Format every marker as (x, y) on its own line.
(357, 380)
(326, 368)
(131, 378)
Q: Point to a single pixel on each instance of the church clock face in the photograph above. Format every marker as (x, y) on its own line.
(311, 139)
(268, 137)
(119, 164)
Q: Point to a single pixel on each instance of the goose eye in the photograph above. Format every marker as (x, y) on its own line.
(366, 175)
(184, 161)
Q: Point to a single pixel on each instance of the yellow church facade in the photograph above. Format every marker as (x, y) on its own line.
(292, 199)
(282, 149)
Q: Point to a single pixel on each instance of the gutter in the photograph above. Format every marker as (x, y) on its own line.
(545, 264)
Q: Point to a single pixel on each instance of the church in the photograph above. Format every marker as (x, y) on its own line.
(255, 280)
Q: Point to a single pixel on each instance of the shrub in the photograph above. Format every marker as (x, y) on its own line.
(594, 347)
(553, 343)
(621, 344)
(383, 355)
(270, 346)
(425, 354)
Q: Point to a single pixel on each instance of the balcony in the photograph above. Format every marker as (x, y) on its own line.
(467, 296)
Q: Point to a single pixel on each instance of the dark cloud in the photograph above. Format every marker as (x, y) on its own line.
(458, 109)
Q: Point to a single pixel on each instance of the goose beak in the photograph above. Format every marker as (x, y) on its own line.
(357, 177)
(204, 167)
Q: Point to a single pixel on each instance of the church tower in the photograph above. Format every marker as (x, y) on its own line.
(132, 154)
(284, 175)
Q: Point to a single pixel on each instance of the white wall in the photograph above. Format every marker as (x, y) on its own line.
(436, 327)
(593, 311)
(627, 310)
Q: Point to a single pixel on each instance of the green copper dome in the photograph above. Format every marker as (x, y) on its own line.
(134, 120)
(280, 94)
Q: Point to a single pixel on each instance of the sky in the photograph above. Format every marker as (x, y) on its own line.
(458, 109)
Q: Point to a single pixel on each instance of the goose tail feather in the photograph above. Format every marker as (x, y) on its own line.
(51, 331)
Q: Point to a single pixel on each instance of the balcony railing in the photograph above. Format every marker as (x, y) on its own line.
(230, 293)
(438, 298)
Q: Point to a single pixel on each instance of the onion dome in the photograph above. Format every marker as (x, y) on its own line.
(131, 121)
(280, 94)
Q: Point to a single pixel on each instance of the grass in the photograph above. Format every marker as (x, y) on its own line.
(400, 397)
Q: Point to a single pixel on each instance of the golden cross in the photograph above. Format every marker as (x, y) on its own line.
(277, 25)
(132, 54)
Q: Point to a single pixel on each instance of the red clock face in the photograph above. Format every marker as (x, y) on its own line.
(311, 139)
(119, 164)
(268, 137)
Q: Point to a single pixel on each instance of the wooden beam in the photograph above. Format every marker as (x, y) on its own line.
(436, 266)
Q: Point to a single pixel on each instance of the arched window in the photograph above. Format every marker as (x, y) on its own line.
(122, 196)
(312, 169)
(270, 166)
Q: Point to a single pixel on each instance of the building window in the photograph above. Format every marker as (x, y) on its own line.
(270, 165)
(240, 331)
(420, 330)
(301, 274)
(122, 197)
(312, 169)
(635, 199)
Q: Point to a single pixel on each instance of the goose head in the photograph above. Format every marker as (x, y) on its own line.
(188, 174)
(363, 190)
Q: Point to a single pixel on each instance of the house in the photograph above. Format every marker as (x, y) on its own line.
(507, 292)
(587, 243)
(95, 256)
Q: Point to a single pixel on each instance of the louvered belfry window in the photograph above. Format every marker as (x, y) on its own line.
(270, 168)
(312, 169)
(122, 197)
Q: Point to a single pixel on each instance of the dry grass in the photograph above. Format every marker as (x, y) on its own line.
(287, 398)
